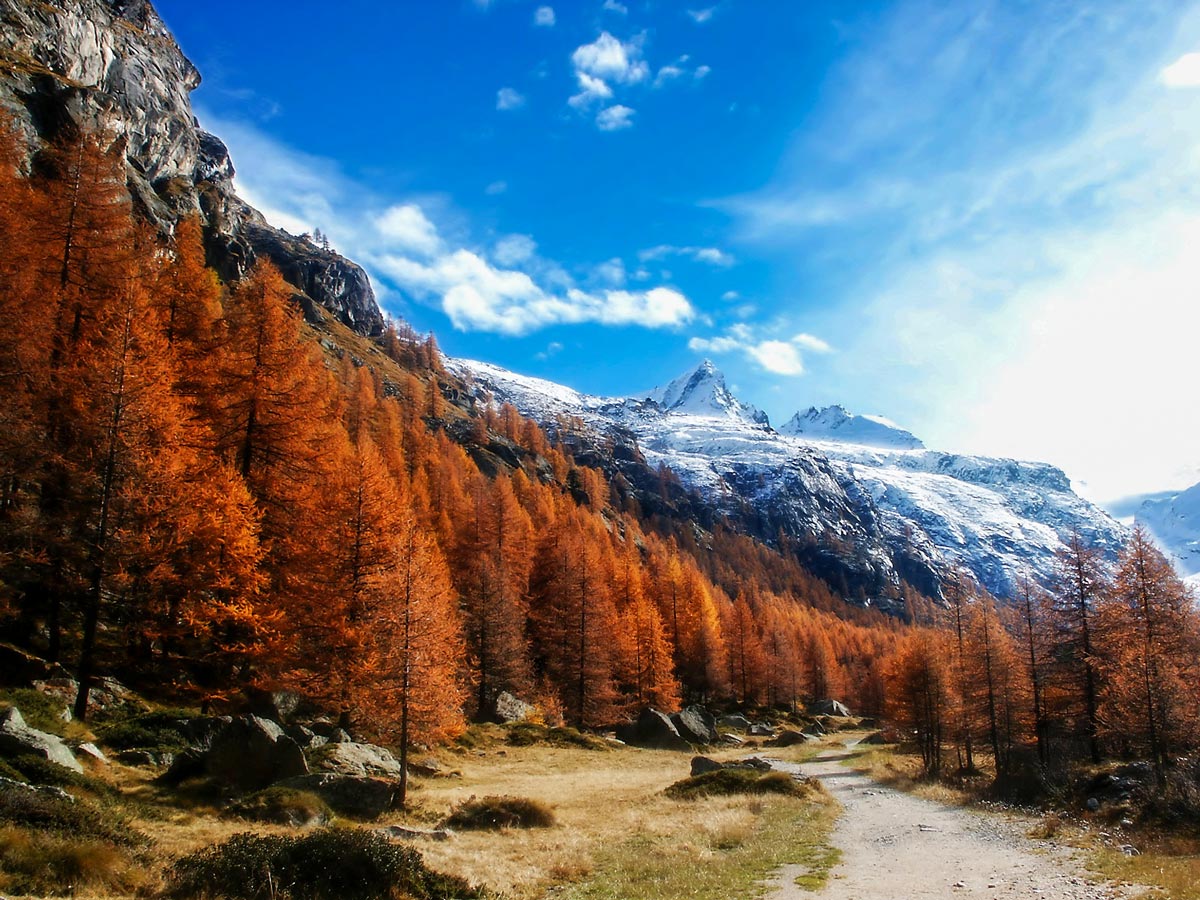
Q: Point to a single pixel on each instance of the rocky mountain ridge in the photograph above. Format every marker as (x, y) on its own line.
(112, 68)
(866, 518)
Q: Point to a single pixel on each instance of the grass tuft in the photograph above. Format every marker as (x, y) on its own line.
(494, 813)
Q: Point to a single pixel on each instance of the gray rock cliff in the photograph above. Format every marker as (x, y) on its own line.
(111, 66)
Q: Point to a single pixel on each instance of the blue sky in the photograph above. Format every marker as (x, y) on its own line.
(976, 218)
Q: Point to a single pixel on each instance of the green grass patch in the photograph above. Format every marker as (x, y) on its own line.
(157, 732)
(40, 711)
(656, 867)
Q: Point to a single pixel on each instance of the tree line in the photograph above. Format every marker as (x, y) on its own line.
(193, 493)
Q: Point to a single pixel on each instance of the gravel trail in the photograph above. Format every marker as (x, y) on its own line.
(896, 846)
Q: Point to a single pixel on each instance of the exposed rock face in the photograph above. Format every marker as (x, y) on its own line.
(696, 725)
(351, 795)
(18, 738)
(359, 760)
(111, 66)
(251, 753)
(653, 729)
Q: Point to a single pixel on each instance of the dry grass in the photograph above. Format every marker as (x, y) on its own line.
(606, 805)
(1170, 864)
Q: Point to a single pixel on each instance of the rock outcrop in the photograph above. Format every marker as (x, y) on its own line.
(17, 738)
(112, 67)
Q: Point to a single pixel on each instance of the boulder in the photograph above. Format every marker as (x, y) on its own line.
(732, 739)
(759, 730)
(737, 721)
(696, 725)
(340, 736)
(92, 752)
(790, 738)
(17, 738)
(702, 764)
(425, 768)
(251, 753)
(508, 709)
(357, 759)
(653, 729)
(20, 667)
(876, 737)
(362, 797)
(278, 706)
(830, 708)
(140, 758)
(11, 788)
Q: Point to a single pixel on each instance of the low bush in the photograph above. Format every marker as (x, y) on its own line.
(282, 806)
(526, 734)
(38, 770)
(328, 864)
(492, 813)
(50, 864)
(158, 732)
(733, 780)
(82, 819)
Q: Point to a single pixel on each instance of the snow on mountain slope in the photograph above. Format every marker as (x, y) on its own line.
(835, 424)
(893, 511)
(1174, 522)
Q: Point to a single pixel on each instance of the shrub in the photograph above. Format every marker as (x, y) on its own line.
(328, 864)
(491, 813)
(526, 734)
(736, 780)
(45, 811)
(282, 806)
(38, 770)
(158, 732)
(33, 862)
(7, 770)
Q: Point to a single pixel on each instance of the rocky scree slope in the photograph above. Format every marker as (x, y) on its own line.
(865, 518)
(112, 67)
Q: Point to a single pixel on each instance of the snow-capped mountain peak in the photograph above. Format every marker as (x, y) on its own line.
(834, 423)
(703, 392)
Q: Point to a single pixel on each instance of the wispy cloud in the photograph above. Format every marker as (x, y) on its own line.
(779, 357)
(509, 98)
(713, 256)
(509, 289)
(614, 7)
(544, 17)
(1003, 196)
(614, 118)
(701, 16)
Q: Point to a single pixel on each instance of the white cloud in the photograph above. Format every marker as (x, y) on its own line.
(508, 98)
(552, 349)
(811, 342)
(730, 296)
(590, 89)
(405, 227)
(400, 247)
(610, 59)
(544, 16)
(700, 16)
(667, 74)
(614, 118)
(778, 357)
(478, 297)
(1183, 73)
(613, 6)
(496, 188)
(611, 272)
(771, 354)
(710, 255)
(701, 72)
(514, 249)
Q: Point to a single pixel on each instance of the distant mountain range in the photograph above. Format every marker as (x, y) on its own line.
(870, 503)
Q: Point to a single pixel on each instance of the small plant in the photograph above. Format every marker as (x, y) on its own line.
(328, 864)
(282, 806)
(157, 732)
(734, 780)
(493, 813)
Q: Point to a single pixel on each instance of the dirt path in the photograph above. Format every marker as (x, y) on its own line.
(896, 846)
